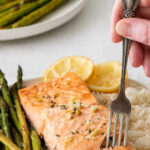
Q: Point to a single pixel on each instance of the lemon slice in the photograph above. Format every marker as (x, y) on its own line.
(80, 65)
(106, 77)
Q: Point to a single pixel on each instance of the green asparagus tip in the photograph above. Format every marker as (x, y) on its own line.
(3, 81)
(1, 77)
(20, 70)
(1, 74)
(19, 78)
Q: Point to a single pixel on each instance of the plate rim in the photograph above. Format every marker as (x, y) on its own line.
(39, 79)
(43, 26)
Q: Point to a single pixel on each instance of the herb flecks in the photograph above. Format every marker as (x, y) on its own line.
(89, 131)
(47, 97)
(69, 114)
(53, 104)
(74, 108)
(92, 134)
(37, 100)
(63, 106)
(95, 132)
(55, 95)
(77, 131)
(74, 132)
(94, 109)
(67, 140)
(89, 121)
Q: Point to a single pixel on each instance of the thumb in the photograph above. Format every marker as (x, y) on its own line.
(135, 29)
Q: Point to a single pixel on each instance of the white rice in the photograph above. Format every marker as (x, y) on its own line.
(139, 129)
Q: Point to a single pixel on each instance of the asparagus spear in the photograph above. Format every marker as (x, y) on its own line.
(7, 142)
(6, 27)
(16, 137)
(11, 4)
(22, 120)
(37, 14)
(10, 10)
(19, 78)
(8, 100)
(1, 77)
(0, 123)
(29, 7)
(5, 120)
(4, 1)
(36, 143)
(21, 116)
(5, 13)
(1, 146)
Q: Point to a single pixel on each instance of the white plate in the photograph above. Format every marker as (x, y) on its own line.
(51, 21)
(30, 82)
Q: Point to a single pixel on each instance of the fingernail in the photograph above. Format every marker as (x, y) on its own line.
(124, 28)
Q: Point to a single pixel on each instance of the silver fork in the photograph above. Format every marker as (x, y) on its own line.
(121, 107)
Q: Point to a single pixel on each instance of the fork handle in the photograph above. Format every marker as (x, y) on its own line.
(131, 5)
(126, 48)
(129, 12)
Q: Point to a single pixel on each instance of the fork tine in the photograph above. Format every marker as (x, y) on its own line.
(126, 130)
(108, 128)
(120, 129)
(115, 129)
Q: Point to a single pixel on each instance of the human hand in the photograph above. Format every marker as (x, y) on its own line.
(136, 29)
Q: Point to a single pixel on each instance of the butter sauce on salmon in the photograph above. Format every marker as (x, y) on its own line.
(67, 115)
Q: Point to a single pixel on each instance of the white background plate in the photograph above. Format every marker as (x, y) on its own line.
(88, 35)
(51, 21)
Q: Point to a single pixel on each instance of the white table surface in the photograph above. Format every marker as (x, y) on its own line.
(87, 35)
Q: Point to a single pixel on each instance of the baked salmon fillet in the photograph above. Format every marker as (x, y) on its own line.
(67, 115)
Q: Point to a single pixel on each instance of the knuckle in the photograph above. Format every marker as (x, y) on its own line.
(145, 35)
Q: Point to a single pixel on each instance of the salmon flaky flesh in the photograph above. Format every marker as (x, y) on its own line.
(67, 115)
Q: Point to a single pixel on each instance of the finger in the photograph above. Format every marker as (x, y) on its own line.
(136, 54)
(146, 62)
(116, 16)
(144, 3)
(135, 29)
(143, 13)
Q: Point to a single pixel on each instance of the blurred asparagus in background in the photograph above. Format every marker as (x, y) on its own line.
(8, 11)
(24, 10)
(19, 13)
(36, 15)
(4, 1)
(12, 4)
